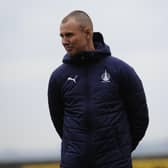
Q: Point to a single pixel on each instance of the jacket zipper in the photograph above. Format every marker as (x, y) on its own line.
(90, 117)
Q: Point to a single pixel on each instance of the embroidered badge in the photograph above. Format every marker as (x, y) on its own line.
(105, 76)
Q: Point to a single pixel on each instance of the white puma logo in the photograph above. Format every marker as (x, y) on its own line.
(72, 79)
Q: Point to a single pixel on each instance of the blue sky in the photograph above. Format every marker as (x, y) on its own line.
(30, 49)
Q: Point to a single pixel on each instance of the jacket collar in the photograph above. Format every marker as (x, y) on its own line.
(101, 51)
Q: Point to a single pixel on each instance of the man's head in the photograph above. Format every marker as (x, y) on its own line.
(76, 31)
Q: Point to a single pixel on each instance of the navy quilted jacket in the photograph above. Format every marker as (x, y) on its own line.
(98, 107)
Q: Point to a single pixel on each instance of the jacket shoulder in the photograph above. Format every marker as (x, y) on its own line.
(119, 67)
(125, 73)
(118, 63)
(58, 73)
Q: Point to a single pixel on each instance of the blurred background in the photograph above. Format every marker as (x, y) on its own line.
(30, 49)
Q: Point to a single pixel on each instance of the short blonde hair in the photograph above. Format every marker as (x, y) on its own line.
(81, 17)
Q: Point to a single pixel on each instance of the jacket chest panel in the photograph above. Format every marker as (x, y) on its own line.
(90, 82)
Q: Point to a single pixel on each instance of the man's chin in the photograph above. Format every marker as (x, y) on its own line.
(72, 53)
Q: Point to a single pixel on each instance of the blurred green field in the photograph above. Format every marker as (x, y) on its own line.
(137, 163)
(151, 163)
(45, 165)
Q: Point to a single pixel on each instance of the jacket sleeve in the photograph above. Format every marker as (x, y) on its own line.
(135, 103)
(55, 104)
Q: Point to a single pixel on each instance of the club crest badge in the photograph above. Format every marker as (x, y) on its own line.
(105, 77)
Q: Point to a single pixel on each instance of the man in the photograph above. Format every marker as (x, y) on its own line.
(96, 101)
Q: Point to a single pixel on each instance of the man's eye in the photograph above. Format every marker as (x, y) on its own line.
(69, 35)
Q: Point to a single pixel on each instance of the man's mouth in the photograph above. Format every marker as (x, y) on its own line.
(68, 48)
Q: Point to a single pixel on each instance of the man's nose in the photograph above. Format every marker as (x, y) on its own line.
(65, 41)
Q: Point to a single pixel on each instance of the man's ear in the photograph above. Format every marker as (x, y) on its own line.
(88, 32)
